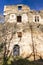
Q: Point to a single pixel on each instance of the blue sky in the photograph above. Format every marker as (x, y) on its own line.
(34, 4)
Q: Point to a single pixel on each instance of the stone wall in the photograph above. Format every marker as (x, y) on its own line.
(31, 41)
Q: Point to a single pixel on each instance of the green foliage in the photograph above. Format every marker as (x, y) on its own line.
(21, 61)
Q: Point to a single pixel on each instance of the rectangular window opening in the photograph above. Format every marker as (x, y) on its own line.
(36, 19)
(18, 18)
(19, 7)
(19, 34)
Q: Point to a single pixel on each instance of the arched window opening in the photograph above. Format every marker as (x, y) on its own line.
(16, 50)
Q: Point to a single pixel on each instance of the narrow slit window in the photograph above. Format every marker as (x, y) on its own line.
(35, 18)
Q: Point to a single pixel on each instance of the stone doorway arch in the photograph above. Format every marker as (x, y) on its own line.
(16, 50)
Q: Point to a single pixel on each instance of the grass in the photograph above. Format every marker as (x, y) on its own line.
(21, 61)
(24, 62)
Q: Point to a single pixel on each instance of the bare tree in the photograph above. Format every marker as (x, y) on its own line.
(32, 41)
(5, 34)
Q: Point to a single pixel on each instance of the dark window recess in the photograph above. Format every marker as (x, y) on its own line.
(19, 34)
(38, 26)
(36, 18)
(19, 7)
(16, 50)
(18, 18)
(4, 15)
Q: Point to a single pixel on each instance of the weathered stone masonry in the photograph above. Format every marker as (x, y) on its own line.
(27, 28)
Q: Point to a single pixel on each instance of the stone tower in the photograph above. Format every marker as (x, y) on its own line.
(25, 31)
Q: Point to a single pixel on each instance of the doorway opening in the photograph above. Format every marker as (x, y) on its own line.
(16, 50)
